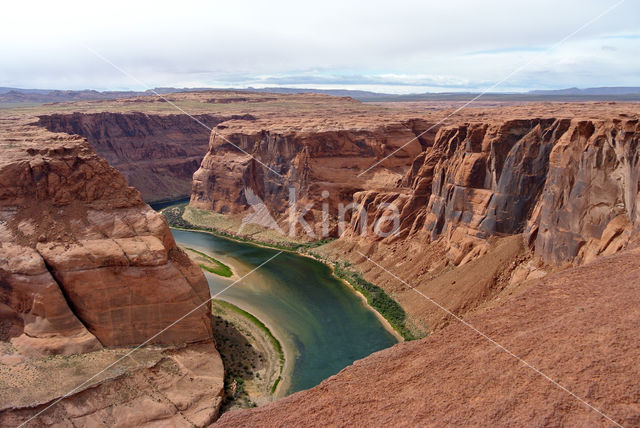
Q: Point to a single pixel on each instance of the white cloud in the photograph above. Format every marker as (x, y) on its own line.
(402, 46)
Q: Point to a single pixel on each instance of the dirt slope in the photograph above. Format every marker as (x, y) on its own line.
(579, 327)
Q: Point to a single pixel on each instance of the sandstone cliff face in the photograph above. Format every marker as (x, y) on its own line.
(157, 154)
(589, 205)
(570, 185)
(83, 261)
(311, 162)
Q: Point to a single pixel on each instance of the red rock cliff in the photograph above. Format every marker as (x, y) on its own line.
(157, 154)
(564, 176)
(310, 160)
(83, 261)
(570, 184)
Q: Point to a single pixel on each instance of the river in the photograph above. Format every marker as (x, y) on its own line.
(322, 324)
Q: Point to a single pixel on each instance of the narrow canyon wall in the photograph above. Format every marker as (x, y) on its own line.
(589, 205)
(157, 154)
(83, 261)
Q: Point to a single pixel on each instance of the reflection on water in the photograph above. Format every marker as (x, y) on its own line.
(308, 309)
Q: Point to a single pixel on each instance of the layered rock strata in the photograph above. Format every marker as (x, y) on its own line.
(83, 261)
(319, 167)
(157, 154)
(569, 185)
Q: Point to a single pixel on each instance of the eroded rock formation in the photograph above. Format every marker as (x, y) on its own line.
(322, 167)
(570, 185)
(157, 154)
(589, 205)
(176, 387)
(83, 261)
(86, 268)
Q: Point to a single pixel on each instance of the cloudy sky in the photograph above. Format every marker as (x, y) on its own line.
(398, 47)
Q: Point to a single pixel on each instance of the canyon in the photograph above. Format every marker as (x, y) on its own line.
(503, 196)
(489, 208)
(520, 220)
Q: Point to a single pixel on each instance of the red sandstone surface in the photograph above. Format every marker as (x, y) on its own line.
(73, 226)
(85, 264)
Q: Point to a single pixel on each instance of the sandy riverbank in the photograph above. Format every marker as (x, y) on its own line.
(284, 371)
(274, 375)
(255, 366)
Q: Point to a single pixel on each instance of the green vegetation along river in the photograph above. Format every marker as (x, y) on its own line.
(322, 324)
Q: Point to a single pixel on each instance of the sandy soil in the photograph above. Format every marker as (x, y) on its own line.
(251, 363)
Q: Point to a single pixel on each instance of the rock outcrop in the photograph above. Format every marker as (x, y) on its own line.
(570, 185)
(320, 167)
(589, 205)
(176, 387)
(157, 154)
(83, 261)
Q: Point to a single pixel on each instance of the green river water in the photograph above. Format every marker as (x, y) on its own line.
(316, 316)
